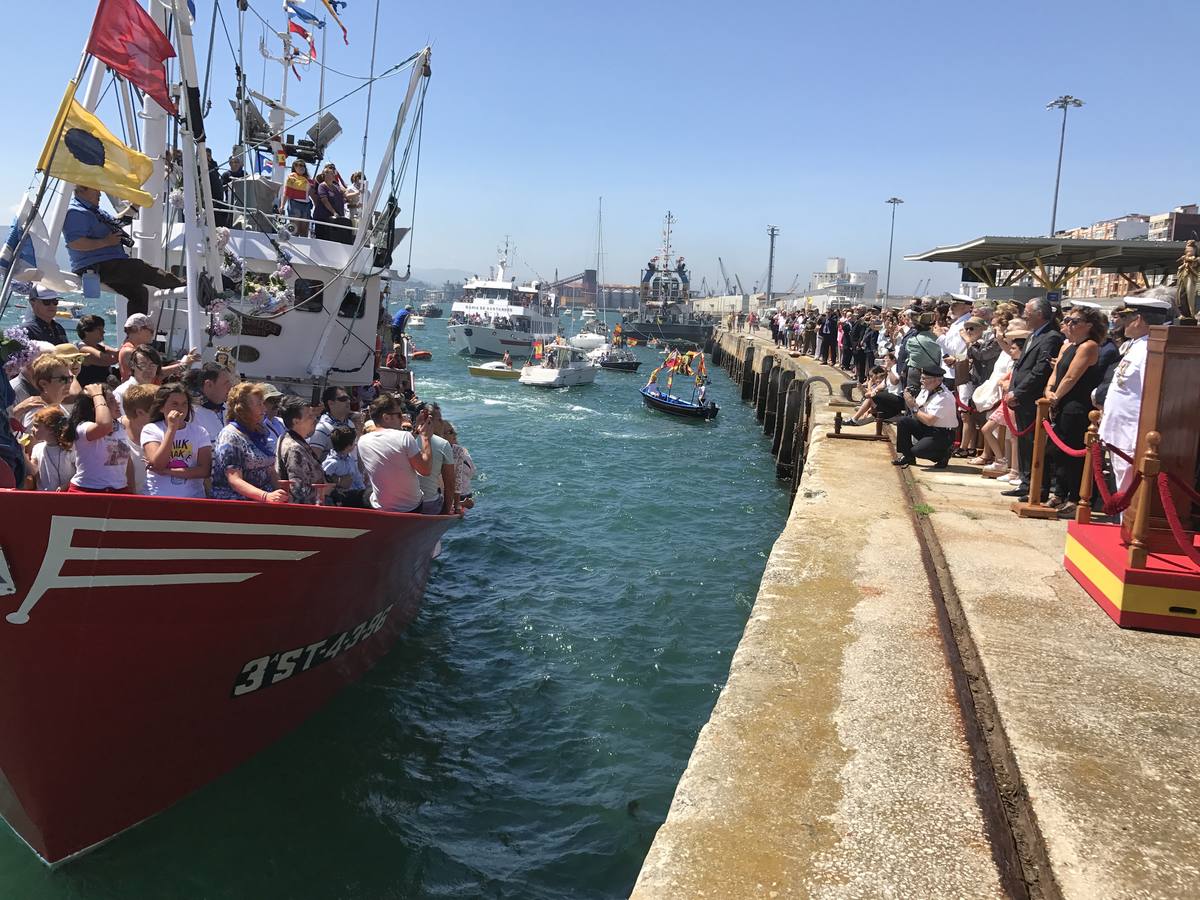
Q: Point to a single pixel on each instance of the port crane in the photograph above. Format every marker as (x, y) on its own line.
(725, 275)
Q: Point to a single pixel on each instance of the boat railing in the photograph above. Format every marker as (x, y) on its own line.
(344, 234)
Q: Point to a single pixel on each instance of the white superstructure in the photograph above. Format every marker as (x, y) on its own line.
(497, 316)
(562, 366)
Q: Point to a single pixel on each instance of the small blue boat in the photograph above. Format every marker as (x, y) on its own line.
(676, 406)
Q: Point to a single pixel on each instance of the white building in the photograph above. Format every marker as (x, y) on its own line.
(860, 287)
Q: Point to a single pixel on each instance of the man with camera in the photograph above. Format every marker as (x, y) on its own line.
(97, 241)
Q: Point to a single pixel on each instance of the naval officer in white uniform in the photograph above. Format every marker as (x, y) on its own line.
(1123, 405)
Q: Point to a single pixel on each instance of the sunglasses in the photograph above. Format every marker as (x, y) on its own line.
(1072, 321)
(53, 301)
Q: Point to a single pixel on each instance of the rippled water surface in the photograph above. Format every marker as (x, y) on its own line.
(525, 736)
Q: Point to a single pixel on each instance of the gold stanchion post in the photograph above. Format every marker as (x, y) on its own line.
(1033, 509)
(1083, 512)
(1149, 467)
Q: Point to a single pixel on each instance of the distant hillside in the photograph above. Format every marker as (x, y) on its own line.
(436, 277)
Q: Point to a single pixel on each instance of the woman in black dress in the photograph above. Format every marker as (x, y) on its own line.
(1077, 373)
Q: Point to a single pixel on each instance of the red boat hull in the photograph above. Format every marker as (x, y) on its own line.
(148, 645)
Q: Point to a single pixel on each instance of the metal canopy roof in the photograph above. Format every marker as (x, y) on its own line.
(995, 253)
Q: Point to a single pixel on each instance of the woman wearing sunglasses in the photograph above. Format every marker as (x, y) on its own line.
(52, 379)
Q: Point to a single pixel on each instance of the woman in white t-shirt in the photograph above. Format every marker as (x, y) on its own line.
(176, 448)
(102, 460)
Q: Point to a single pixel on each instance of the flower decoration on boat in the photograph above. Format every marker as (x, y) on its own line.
(266, 294)
(175, 198)
(16, 350)
(221, 319)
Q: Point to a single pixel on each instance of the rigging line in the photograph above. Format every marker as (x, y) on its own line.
(225, 28)
(370, 88)
(212, 33)
(416, 174)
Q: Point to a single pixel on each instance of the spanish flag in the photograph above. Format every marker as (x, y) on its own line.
(80, 150)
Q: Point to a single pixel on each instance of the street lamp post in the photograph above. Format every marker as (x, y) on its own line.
(887, 291)
(1065, 102)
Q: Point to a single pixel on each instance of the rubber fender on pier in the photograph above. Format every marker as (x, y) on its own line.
(785, 380)
(760, 388)
(748, 373)
(787, 431)
(804, 428)
(771, 400)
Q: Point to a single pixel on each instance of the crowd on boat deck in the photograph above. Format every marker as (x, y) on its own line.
(961, 378)
(89, 417)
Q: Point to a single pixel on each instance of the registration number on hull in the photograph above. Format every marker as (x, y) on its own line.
(268, 670)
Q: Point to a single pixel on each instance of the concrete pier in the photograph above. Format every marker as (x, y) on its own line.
(924, 704)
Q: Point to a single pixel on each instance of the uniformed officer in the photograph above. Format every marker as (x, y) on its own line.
(1123, 404)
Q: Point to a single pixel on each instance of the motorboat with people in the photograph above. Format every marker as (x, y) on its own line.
(592, 333)
(495, 369)
(691, 369)
(415, 321)
(664, 302)
(496, 315)
(149, 645)
(616, 359)
(430, 310)
(561, 365)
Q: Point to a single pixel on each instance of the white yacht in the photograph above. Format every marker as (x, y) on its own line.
(592, 334)
(497, 316)
(562, 366)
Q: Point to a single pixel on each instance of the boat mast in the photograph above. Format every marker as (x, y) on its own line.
(599, 252)
(199, 225)
(151, 221)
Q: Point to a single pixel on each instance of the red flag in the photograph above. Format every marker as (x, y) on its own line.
(127, 40)
(296, 29)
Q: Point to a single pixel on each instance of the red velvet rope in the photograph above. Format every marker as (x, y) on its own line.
(1012, 426)
(1182, 538)
(1070, 451)
(965, 407)
(1113, 503)
(1187, 489)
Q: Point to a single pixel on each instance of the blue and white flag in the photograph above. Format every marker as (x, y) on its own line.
(294, 9)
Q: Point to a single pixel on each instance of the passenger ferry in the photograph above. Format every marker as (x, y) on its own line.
(497, 316)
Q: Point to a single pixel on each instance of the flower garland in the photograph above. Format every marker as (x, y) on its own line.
(264, 294)
(17, 350)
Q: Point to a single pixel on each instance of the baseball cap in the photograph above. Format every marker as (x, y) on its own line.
(137, 320)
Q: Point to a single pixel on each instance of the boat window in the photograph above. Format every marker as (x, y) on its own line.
(310, 296)
(353, 306)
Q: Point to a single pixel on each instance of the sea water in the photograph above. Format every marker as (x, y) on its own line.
(525, 736)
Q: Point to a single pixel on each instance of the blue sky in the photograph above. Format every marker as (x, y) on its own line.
(732, 115)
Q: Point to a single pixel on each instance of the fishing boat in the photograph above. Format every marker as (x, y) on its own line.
(430, 310)
(497, 316)
(561, 366)
(664, 302)
(689, 366)
(149, 645)
(495, 369)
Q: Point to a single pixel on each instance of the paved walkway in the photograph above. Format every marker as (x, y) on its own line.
(836, 762)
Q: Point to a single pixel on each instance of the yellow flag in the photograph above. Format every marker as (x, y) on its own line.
(82, 151)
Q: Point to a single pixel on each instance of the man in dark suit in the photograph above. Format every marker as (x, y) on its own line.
(827, 329)
(1029, 377)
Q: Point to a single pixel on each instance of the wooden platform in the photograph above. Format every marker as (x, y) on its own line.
(1164, 596)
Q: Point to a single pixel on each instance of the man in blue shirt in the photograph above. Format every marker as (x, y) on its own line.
(94, 241)
(398, 322)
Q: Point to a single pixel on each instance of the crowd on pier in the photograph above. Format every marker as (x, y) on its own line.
(87, 417)
(961, 378)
